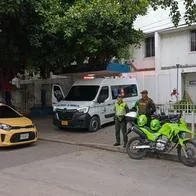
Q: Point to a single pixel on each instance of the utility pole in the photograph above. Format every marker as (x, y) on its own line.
(177, 66)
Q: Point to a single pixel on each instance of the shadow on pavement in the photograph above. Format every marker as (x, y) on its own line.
(18, 147)
(82, 130)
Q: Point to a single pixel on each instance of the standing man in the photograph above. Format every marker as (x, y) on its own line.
(121, 108)
(145, 105)
(174, 96)
(8, 94)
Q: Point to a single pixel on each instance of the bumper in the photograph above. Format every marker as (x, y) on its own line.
(74, 120)
(13, 138)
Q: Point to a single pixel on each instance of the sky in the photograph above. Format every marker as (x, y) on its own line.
(157, 20)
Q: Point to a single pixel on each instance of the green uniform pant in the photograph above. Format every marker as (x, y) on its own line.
(121, 125)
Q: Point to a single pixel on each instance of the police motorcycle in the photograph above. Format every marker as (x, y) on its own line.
(163, 134)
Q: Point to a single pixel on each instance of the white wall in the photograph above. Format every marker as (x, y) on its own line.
(139, 59)
(158, 86)
(190, 88)
(29, 95)
(172, 46)
(175, 49)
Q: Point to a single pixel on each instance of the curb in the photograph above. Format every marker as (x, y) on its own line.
(164, 156)
(92, 145)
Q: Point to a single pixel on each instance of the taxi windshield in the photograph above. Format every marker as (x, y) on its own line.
(7, 112)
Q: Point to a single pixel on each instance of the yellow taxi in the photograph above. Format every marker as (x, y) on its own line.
(15, 129)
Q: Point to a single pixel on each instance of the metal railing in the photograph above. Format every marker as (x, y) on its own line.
(176, 108)
(188, 111)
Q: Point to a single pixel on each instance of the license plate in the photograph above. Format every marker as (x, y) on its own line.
(64, 122)
(24, 136)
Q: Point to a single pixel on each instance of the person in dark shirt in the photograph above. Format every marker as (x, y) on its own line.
(145, 105)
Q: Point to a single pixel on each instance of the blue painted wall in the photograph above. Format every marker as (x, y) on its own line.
(118, 68)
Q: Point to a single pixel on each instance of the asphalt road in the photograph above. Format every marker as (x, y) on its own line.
(53, 169)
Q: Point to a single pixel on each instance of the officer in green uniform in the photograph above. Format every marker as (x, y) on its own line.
(121, 108)
(145, 105)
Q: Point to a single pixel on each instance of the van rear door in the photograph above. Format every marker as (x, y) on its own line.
(106, 108)
(57, 94)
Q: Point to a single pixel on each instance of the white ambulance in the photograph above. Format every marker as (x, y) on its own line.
(90, 102)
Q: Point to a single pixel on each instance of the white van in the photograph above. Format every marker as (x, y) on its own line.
(90, 103)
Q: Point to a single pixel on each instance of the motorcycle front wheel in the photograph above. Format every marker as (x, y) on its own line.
(190, 149)
(135, 153)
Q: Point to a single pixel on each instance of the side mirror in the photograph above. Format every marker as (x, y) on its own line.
(59, 97)
(100, 99)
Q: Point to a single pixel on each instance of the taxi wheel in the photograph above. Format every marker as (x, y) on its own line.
(94, 124)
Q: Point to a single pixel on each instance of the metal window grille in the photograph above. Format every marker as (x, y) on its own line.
(193, 40)
(150, 46)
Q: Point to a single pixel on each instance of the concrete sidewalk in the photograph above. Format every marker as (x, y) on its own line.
(102, 139)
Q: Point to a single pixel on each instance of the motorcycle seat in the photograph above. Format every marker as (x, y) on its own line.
(167, 118)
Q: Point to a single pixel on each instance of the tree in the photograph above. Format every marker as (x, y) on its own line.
(98, 29)
(50, 34)
(102, 28)
(22, 33)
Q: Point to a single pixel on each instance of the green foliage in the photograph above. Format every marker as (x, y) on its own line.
(189, 15)
(102, 26)
(50, 34)
(124, 52)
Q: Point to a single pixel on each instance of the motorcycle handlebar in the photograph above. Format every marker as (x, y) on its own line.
(167, 118)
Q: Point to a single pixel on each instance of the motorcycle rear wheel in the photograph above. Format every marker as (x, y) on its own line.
(135, 153)
(190, 148)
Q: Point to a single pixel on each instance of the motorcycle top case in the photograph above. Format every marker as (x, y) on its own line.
(131, 116)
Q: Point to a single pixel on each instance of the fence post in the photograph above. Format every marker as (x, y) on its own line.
(183, 114)
(193, 124)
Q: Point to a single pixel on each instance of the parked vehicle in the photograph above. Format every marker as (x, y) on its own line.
(90, 102)
(15, 129)
(173, 133)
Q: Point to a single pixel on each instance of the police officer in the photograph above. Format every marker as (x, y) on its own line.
(121, 108)
(145, 105)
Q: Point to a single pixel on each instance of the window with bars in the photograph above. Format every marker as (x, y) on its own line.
(193, 40)
(150, 47)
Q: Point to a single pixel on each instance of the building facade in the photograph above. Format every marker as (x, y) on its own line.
(171, 52)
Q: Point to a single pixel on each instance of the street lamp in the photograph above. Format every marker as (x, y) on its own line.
(177, 65)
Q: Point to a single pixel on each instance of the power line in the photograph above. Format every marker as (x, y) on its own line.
(158, 22)
(154, 27)
(161, 19)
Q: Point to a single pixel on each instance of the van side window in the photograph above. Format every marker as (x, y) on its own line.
(115, 91)
(131, 91)
(126, 90)
(57, 93)
(104, 93)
